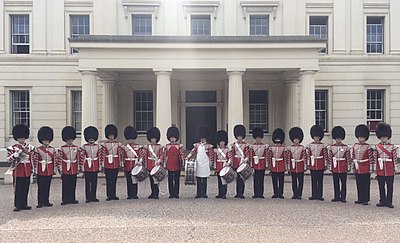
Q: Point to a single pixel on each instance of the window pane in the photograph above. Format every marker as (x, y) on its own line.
(143, 113)
(201, 25)
(375, 34)
(201, 96)
(76, 111)
(20, 107)
(20, 34)
(259, 25)
(321, 108)
(258, 109)
(319, 28)
(141, 24)
(79, 26)
(375, 102)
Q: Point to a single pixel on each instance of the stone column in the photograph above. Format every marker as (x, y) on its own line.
(109, 107)
(235, 100)
(163, 102)
(292, 104)
(307, 102)
(89, 99)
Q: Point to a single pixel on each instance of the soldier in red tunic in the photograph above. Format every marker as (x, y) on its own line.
(362, 160)
(297, 161)
(153, 156)
(173, 158)
(45, 164)
(67, 159)
(258, 152)
(240, 153)
(386, 164)
(318, 157)
(21, 155)
(221, 156)
(132, 156)
(90, 162)
(339, 160)
(276, 160)
(110, 155)
(204, 156)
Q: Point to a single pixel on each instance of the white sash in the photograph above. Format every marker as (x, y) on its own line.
(222, 153)
(241, 152)
(132, 150)
(152, 152)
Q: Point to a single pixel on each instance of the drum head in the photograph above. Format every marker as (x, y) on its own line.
(136, 169)
(224, 171)
(154, 170)
(241, 167)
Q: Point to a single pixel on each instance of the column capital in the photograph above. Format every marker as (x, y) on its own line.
(162, 71)
(307, 72)
(88, 72)
(107, 81)
(292, 81)
(235, 71)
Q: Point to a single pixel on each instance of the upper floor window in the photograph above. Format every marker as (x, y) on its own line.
(321, 108)
(259, 25)
(375, 101)
(141, 24)
(319, 27)
(143, 110)
(375, 34)
(258, 109)
(20, 107)
(201, 25)
(79, 26)
(76, 111)
(20, 34)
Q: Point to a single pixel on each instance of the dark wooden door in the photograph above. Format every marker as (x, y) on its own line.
(197, 116)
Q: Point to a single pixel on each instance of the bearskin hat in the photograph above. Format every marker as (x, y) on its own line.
(278, 136)
(296, 132)
(91, 133)
(317, 130)
(362, 131)
(20, 131)
(130, 133)
(258, 132)
(383, 130)
(153, 132)
(173, 132)
(338, 132)
(203, 132)
(45, 133)
(68, 133)
(221, 135)
(111, 129)
(239, 131)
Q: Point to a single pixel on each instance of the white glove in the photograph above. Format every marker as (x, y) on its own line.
(16, 155)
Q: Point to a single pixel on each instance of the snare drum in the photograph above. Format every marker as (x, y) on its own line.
(228, 174)
(140, 173)
(159, 173)
(190, 168)
(245, 171)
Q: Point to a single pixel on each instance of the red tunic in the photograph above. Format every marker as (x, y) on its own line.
(221, 156)
(130, 158)
(173, 156)
(363, 158)
(110, 153)
(386, 159)
(276, 158)
(150, 157)
(68, 159)
(89, 158)
(339, 158)
(45, 160)
(296, 158)
(24, 168)
(317, 156)
(236, 157)
(258, 155)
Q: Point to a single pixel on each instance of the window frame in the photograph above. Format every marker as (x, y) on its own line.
(384, 104)
(152, 23)
(266, 130)
(384, 31)
(8, 108)
(134, 108)
(258, 14)
(69, 107)
(327, 17)
(8, 31)
(201, 14)
(73, 112)
(71, 50)
(328, 107)
(67, 20)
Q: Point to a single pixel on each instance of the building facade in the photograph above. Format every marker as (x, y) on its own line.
(147, 63)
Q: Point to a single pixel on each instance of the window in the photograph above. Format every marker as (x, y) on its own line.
(79, 26)
(259, 25)
(375, 34)
(201, 25)
(141, 24)
(375, 99)
(319, 28)
(258, 109)
(321, 108)
(76, 99)
(143, 110)
(20, 34)
(201, 96)
(20, 107)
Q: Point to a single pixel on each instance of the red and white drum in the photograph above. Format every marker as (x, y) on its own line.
(159, 173)
(245, 171)
(227, 174)
(140, 173)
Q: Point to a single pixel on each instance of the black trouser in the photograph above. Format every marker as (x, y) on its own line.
(43, 183)
(201, 186)
(386, 198)
(111, 180)
(68, 188)
(222, 189)
(90, 185)
(297, 183)
(154, 187)
(21, 191)
(317, 181)
(258, 182)
(339, 185)
(173, 182)
(363, 182)
(131, 189)
(239, 186)
(277, 182)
